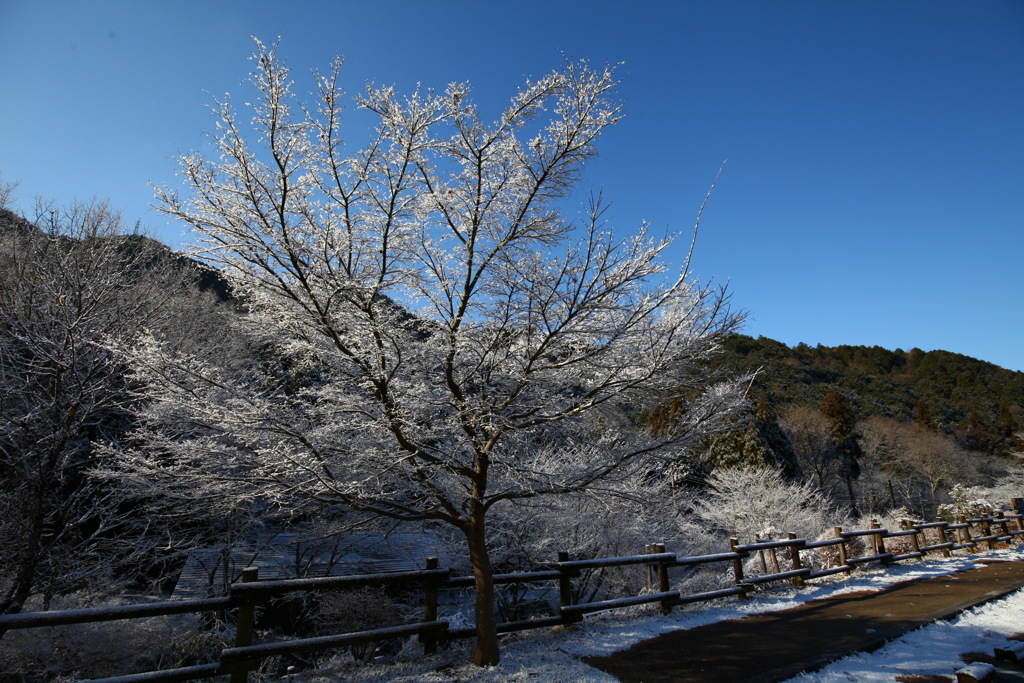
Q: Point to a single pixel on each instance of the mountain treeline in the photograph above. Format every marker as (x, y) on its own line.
(980, 404)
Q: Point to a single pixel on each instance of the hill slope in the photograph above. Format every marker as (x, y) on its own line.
(980, 403)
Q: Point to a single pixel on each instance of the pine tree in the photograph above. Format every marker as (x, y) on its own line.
(843, 426)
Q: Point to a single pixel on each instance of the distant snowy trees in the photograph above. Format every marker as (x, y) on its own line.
(451, 339)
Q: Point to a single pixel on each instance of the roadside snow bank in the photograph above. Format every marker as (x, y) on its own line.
(933, 650)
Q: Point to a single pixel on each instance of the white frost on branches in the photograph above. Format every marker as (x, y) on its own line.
(758, 502)
(452, 338)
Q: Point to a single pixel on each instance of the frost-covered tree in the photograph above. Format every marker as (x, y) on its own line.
(756, 439)
(71, 282)
(454, 340)
(758, 502)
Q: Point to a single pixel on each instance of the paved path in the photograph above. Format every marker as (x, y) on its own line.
(779, 645)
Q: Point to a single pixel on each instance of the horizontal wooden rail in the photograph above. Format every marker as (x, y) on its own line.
(707, 595)
(526, 624)
(508, 627)
(901, 532)
(499, 579)
(280, 586)
(780, 576)
(907, 556)
(87, 615)
(937, 546)
(869, 558)
(234, 655)
(990, 537)
(818, 573)
(185, 673)
(865, 532)
(600, 606)
(768, 545)
(705, 559)
(617, 561)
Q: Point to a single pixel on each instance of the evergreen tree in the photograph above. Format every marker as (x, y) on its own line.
(924, 416)
(842, 418)
(757, 440)
(771, 434)
(1007, 423)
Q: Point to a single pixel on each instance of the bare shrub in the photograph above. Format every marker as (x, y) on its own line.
(360, 610)
(108, 648)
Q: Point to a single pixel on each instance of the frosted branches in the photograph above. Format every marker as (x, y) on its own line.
(453, 338)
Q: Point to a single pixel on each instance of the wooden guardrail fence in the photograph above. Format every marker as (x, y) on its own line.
(247, 594)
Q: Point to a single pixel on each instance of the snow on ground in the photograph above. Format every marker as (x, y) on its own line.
(933, 650)
(553, 655)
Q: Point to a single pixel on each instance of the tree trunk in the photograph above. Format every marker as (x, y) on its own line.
(21, 587)
(486, 626)
(849, 492)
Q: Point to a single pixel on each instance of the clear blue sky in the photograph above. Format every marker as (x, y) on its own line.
(874, 191)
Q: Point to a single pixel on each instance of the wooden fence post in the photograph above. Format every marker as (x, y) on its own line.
(878, 542)
(429, 586)
(649, 549)
(965, 534)
(244, 627)
(842, 547)
(737, 567)
(943, 538)
(986, 530)
(565, 585)
(794, 557)
(662, 570)
(1004, 524)
(775, 559)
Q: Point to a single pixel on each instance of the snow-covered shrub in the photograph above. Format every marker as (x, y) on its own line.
(758, 502)
(1000, 494)
(968, 503)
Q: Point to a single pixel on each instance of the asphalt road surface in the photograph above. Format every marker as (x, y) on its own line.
(779, 645)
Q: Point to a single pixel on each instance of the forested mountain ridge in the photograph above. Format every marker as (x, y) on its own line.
(203, 277)
(980, 403)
